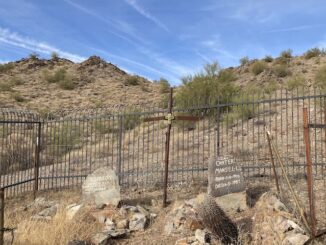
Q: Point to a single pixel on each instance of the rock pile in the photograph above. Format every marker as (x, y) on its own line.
(274, 224)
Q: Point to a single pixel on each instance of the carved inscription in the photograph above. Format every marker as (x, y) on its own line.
(224, 177)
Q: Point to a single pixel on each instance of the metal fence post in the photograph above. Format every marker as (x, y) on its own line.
(218, 119)
(2, 214)
(37, 159)
(309, 172)
(119, 162)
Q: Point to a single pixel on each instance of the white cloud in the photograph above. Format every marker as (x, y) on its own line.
(15, 39)
(294, 28)
(4, 61)
(142, 11)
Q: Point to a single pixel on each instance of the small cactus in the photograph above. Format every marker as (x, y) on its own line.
(214, 219)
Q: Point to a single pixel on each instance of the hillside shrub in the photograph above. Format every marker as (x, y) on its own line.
(54, 56)
(34, 56)
(6, 67)
(268, 58)
(295, 82)
(18, 97)
(164, 86)
(244, 60)
(281, 71)
(314, 52)
(132, 80)
(258, 67)
(286, 53)
(209, 87)
(270, 86)
(61, 77)
(320, 77)
(5, 86)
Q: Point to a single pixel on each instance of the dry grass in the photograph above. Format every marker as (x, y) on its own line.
(59, 230)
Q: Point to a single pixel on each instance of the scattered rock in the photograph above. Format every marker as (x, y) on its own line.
(51, 211)
(102, 187)
(109, 225)
(137, 222)
(101, 238)
(234, 202)
(122, 224)
(143, 211)
(119, 233)
(72, 210)
(295, 239)
(202, 236)
(77, 242)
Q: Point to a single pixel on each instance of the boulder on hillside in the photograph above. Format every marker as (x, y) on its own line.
(102, 187)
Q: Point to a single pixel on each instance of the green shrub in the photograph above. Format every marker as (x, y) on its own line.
(286, 53)
(18, 97)
(320, 77)
(131, 118)
(209, 87)
(164, 86)
(16, 81)
(268, 58)
(314, 52)
(244, 60)
(34, 56)
(295, 82)
(281, 61)
(243, 111)
(270, 87)
(6, 67)
(67, 83)
(132, 80)
(281, 71)
(58, 75)
(104, 127)
(61, 77)
(64, 138)
(5, 86)
(258, 67)
(54, 56)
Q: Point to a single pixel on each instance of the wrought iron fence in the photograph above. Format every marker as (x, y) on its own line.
(66, 146)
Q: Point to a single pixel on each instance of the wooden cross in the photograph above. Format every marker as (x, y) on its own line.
(170, 117)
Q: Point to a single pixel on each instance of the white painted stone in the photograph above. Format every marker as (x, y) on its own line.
(102, 187)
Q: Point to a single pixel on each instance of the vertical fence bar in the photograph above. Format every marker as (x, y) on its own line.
(2, 213)
(119, 162)
(309, 172)
(37, 159)
(167, 151)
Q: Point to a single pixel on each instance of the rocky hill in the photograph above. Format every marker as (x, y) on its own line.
(59, 83)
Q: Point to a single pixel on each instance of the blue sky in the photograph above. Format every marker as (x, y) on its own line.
(153, 38)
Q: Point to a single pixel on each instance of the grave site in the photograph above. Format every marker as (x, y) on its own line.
(167, 175)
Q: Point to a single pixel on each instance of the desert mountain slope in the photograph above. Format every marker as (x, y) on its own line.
(59, 83)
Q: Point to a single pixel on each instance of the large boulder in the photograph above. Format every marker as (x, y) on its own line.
(102, 187)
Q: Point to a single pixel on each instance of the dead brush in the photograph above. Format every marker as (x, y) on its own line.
(59, 230)
(217, 222)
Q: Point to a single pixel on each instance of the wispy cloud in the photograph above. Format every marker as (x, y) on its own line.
(141, 10)
(3, 61)
(140, 65)
(17, 40)
(123, 29)
(294, 28)
(214, 44)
